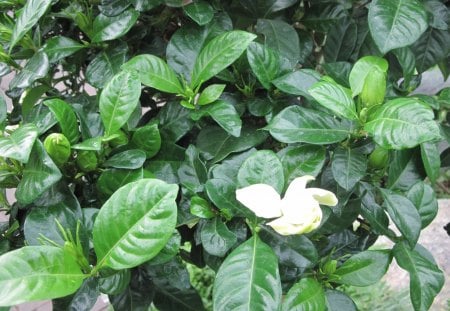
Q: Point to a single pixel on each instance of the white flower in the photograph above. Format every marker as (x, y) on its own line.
(298, 212)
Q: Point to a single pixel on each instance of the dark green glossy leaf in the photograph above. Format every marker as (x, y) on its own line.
(302, 160)
(297, 82)
(128, 159)
(404, 170)
(60, 47)
(36, 68)
(174, 121)
(208, 138)
(218, 54)
(169, 251)
(403, 123)
(199, 11)
(339, 72)
(297, 124)
(148, 139)
(396, 23)
(66, 117)
(112, 179)
(19, 144)
(216, 238)
(109, 28)
(113, 7)
(118, 100)
(37, 273)
(137, 296)
(306, 295)
(226, 116)
(264, 63)
(263, 8)
(106, 65)
(424, 199)
(148, 212)
(432, 47)
(248, 279)
(364, 269)
(348, 167)
(334, 97)
(431, 160)
(281, 38)
(154, 72)
(29, 16)
(262, 167)
(39, 174)
(337, 301)
(192, 173)
(426, 279)
(341, 41)
(341, 216)
(371, 211)
(407, 61)
(404, 215)
(116, 283)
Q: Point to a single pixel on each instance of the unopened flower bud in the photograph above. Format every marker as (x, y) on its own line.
(58, 148)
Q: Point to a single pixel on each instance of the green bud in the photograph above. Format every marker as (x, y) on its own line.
(374, 88)
(378, 159)
(121, 139)
(330, 267)
(58, 148)
(87, 160)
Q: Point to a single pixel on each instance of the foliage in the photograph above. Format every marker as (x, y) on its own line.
(133, 124)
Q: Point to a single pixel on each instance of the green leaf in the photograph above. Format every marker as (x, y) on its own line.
(154, 72)
(248, 279)
(302, 160)
(37, 273)
(112, 179)
(118, 100)
(148, 139)
(192, 173)
(266, 7)
(362, 68)
(29, 16)
(222, 194)
(66, 117)
(174, 121)
(305, 295)
(226, 116)
(264, 62)
(297, 124)
(86, 297)
(207, 142)
(341, 41)
(403, 123)
(364, 269)
(148, 213)
(348, 167)
(106, 65)
(334, 97)
(135, 297)
(92, 144)
(281, 38)
(39, 174)
(439, 14)
(338, 301)
(396, 23)
(404, 170)
(407, 61)
(116, 283)
(36, 68)
(201, 208)
(18, 145)
(129, 159)
(404, 215)
(218, 54)
(431, 160)
(169, 251)
(297, 82)
(60, 47)
(109, 28)
(432, 47)
(424, 199)
(216, 238)
(262, 167)
(426, 279)
(210, 94)
(200, 12)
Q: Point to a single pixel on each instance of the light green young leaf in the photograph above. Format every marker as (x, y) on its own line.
(335, 98)
(118, 100)
(29, 16)
(66, 117)
(248, 279)
(218, 54)
(396, 23)
(34, 273)
(147, 211)
(362, 68)
(305, 295)
(154, 72)
(210, 94)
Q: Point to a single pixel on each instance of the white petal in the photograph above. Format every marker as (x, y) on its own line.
(262, 199)
(283, 226)
(299, 208)
(322, 196)
(298, 185)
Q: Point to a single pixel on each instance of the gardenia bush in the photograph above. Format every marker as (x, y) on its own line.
(272, 141)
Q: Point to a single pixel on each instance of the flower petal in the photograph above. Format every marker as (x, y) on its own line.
(261, 199)
(283, 226)
(299, 208)
(297, 185)
(322, 196)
